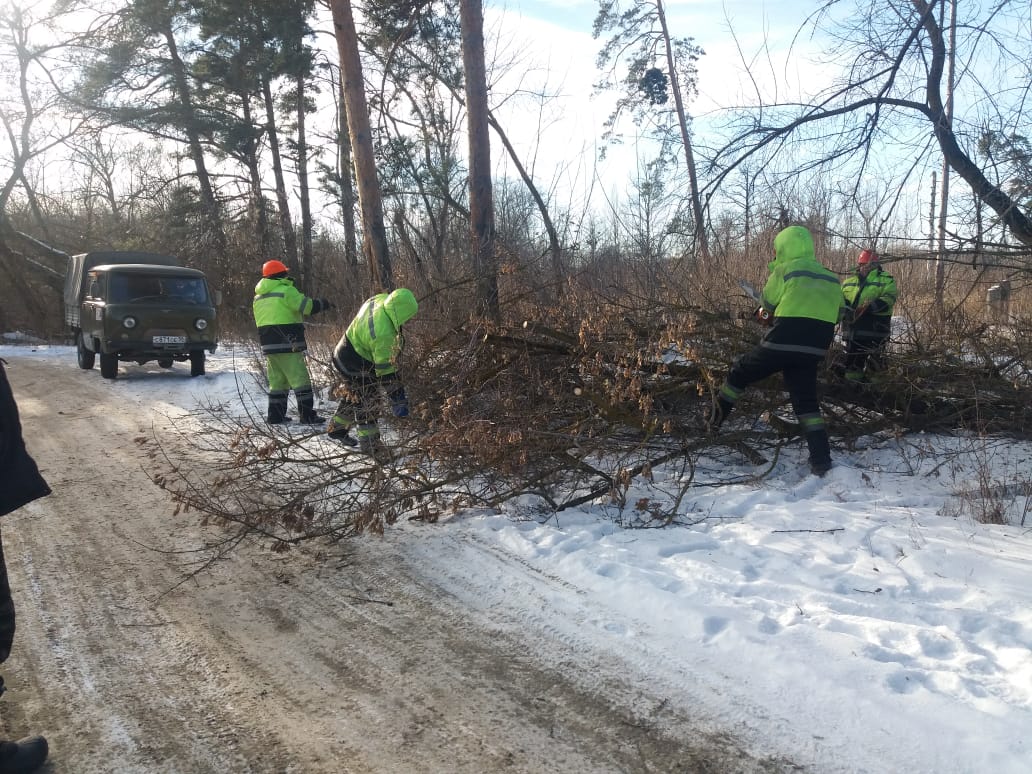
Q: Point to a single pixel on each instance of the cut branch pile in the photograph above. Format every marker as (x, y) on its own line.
(549, 417)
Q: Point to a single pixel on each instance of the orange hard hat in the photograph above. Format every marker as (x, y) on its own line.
(273, 267)
(867, 256)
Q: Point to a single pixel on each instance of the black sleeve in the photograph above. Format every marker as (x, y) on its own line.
(20, 479)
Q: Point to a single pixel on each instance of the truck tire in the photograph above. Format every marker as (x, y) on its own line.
(108, 366)
(197, 363)
(85, 356)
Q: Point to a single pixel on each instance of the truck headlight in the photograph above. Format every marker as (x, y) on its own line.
(129, 322)
(200, 323)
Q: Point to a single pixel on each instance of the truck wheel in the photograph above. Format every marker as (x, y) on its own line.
(108, 365)
(165, 362)
(197, 363)
(85, 356)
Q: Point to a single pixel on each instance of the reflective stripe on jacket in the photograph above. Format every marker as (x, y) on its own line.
(876, 294)
(876, 291)
(279, 310)
(375, 332)
(804, 297)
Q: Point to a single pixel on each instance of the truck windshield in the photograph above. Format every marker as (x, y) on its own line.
(129, 288)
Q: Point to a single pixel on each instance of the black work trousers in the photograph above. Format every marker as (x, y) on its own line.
(360, 406)
(799, 370)
(865, 352)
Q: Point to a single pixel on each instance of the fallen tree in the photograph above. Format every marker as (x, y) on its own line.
(544, 417)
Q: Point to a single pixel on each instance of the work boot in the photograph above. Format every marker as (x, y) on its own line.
(277, 412)
(820, 468)
(337, 429)
(820, 452)
(374, 447)
(718, 413)
(306, 408)
(24, 756)
(340, 435)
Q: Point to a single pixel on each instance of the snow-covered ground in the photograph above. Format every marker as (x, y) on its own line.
(866, 621)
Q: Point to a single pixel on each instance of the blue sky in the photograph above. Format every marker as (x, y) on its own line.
(704, 20)
(578, 14)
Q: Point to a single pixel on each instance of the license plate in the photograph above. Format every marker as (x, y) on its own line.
(169, 340)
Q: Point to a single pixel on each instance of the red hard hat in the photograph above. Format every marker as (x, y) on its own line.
(867, 256)
(273, 267)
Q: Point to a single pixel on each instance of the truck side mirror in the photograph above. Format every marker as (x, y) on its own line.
(218, 298)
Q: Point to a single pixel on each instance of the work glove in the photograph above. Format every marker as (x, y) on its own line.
(399, 400)
(321, 305)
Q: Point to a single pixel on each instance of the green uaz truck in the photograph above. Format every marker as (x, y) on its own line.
(137, 307)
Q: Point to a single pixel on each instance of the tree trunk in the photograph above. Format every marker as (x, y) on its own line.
(437, 203)
(347, 183)
(698, 214)
(1010, 213)
(212, 211)
(481, 203)
(554, 248)
(369, 195)
(282, 203)
(21, 142)
(259, 213)
(307, 267)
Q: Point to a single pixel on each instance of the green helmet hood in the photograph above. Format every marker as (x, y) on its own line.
(401, 306)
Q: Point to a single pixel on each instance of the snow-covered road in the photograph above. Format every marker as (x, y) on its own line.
(341, 658)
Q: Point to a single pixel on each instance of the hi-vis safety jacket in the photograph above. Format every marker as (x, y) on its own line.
(375, 333)
(803, 296)
(876, 295)
(279, 311)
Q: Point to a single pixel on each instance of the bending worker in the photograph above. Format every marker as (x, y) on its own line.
(365, 357)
